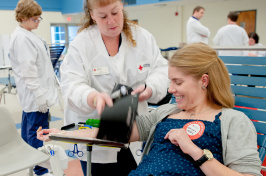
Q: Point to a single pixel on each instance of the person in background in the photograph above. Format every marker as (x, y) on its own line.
(231, 35)
(201, 134)
(33, 73)
(254, 41)
(108, 50)
(196, 32)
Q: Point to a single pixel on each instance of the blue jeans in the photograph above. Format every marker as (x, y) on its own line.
(29, 125)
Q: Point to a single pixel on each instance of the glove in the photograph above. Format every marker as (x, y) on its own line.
(41, 103)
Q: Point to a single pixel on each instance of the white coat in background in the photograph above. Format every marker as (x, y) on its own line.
(131, 66)
(32, 68)
(195, 30)
(256, 52)
(231, 35)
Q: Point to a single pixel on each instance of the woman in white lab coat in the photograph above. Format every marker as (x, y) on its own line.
(109, 49)
(33, 73)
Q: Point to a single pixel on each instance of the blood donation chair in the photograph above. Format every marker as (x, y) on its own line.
(166, 52)
(15, 154)
(248, 83)
(55, 53)
(9, 86)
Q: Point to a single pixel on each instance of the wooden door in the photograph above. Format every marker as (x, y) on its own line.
(247, 20)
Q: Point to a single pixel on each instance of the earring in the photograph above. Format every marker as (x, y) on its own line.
(94, 22)
(203, 87)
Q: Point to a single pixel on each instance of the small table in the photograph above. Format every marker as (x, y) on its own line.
(89, 142)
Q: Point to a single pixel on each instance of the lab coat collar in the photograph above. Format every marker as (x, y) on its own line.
(195, 18)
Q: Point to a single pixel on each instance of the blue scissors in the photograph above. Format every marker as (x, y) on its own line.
(139, 151)
(75, 151)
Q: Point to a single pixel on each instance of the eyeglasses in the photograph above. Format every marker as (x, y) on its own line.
(36, 21)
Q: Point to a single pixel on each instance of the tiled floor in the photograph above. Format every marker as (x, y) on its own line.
(12, 103)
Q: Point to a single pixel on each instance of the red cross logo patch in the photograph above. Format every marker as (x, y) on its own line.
(140, 67)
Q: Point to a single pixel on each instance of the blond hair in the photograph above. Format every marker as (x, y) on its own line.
(198, 59)
(26, 9)
(87, 20)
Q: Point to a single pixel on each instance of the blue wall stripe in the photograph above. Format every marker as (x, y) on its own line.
(72, 6)
(47, 5)
(65, 6)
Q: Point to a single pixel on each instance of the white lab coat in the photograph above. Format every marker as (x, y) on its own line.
(32, 68)
(231, 35)
(195, 30)
(88, 53)
(258, 53)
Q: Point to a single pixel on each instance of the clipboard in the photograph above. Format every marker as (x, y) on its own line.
(87, 141)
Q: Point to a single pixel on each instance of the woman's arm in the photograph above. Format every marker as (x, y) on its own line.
(134, 133)
(211, 167)
(43, 135)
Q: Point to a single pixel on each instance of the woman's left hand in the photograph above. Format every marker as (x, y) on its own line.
(180, 138)
(145, 93)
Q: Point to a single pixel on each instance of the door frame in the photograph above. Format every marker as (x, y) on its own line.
(239, 11)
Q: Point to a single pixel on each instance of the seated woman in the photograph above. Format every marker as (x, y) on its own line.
(254, 41)
(201, 134)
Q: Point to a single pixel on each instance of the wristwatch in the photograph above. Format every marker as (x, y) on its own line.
(207, 155)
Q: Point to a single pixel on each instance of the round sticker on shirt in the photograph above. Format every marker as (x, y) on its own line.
(194, 129)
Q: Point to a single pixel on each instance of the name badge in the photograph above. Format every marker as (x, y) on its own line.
(100, 71)
(194, 129)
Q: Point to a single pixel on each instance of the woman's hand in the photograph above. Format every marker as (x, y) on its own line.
(44, 134)
(180, 138)
(145, 93)
(98, 100)
(251, 54)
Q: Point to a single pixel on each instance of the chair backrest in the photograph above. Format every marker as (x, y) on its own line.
(55, 53)
(168, 52)
(248, 83)
(8, 131)
(15, 154)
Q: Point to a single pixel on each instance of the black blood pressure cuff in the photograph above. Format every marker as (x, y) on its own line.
(117, 121)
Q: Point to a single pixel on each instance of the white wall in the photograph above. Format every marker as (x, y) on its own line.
(161, 22)
(216, 15)
(9, 23)
(4, 50)
(170, 30)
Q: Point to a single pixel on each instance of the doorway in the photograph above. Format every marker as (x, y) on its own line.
(247, 20)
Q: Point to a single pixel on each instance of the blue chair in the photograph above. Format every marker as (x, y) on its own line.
(55, 53)
(248, 83)
(167, 50)
(8, 86)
